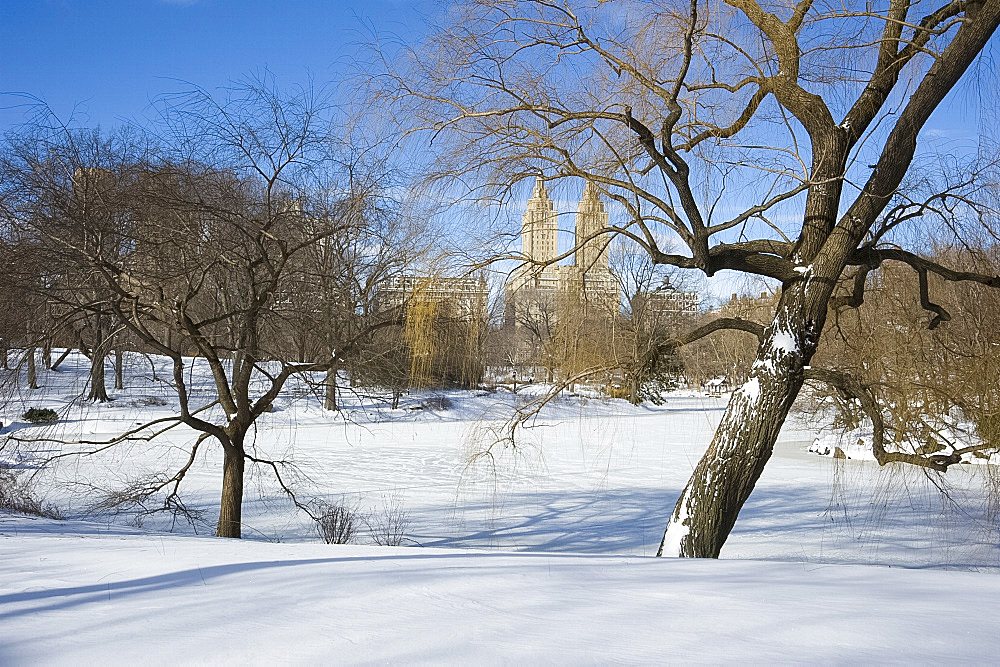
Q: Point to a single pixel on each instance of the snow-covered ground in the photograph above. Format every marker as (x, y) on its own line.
(949, 435)
(536, 554)
(86, 595)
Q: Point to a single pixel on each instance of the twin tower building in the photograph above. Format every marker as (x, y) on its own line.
(541, 281)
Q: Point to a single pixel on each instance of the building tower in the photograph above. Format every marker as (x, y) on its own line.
(534, 291)
(591, 255)
(540, 226)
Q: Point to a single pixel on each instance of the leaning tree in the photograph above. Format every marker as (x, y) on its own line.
(768, 138)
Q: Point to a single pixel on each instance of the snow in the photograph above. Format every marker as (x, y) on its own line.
(677, 530)
(751, 390)
(784, 342)
(539, 553)
(850, 444)
(97, 596)
(856, 443)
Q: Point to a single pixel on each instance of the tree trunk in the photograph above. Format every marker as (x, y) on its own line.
(119, 374)
(62, 358)
(29, 359)
(47, 353)
(239, 357)
(231, 507)
(98, 388)
(330, 402)
(4, 362)
(725, 476)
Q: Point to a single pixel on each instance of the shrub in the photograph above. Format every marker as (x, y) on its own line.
(437, 403)
(337, 523)
(616, 391)
(388, 525)
(17, 496)
(151, 401)
(41, 416)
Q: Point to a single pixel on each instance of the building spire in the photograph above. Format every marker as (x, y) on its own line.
(539, 226)
(591, 217)
(539, 192)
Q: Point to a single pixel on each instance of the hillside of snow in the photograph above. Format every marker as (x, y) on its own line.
(534, 553)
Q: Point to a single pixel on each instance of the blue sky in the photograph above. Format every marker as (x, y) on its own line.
(107, 58)
(104, 60)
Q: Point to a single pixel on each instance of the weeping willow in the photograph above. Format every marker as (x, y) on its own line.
(472, 366)
(583, 340)
(443, 339)
(420, 335)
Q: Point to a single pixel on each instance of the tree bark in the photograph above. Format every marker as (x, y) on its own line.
(47, 353)
(119, 373)
(633, 389)
(29, 359)
(62, 358)
(231, 506)
(98, 388)
(725, 476)
(330, 400)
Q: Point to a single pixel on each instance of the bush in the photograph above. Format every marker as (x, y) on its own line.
(151, 402)
(337, 523)
(388, 525)
(18, 497)
(41, 416)
(616, 391)
(437, 403)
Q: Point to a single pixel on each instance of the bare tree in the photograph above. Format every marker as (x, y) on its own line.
(207, 223)
(768, 139)
(530, 316)
(656, 311)
(346, 272)
(22, 306)
(83, 208)
(728, 354)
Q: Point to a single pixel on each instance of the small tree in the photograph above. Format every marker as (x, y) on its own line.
(22, 305)
(195, 251)
(656, 311)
